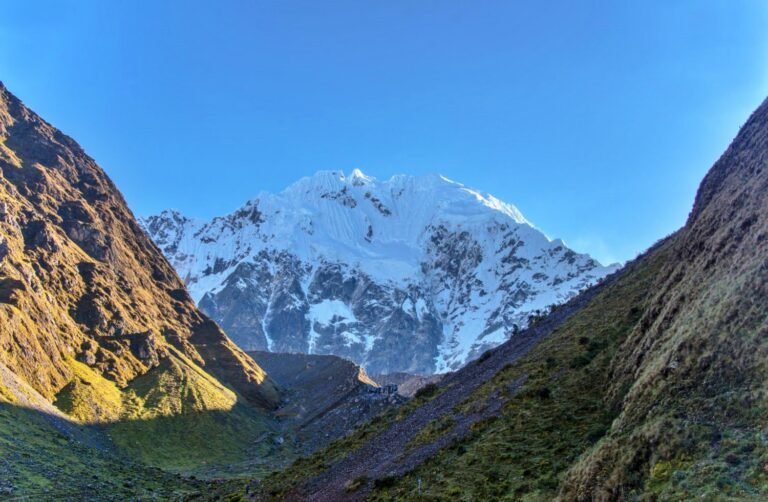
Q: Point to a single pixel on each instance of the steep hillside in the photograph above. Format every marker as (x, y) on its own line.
(364, 269)
(649, 386)
(324, 397)
(693, 371)
(95, 324)
(80, 280)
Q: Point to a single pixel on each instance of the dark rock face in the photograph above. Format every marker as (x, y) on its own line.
(255, 302)
(324, 397)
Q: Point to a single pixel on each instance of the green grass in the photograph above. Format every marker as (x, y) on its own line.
(178, 418)
(42, 463)
(89, 397)
(559, 412)
(176, 387)
(432, 431)
(208, 444)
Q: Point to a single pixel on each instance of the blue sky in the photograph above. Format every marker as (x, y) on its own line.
(597, 119)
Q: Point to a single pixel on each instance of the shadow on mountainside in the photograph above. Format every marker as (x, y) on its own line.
(46, 457)
(170, 445)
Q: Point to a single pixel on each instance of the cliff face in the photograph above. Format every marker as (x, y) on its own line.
(80, 282)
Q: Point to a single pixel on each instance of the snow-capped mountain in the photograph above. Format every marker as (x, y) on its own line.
(414, 274)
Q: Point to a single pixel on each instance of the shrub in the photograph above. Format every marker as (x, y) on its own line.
(385, 482)
(485, 355)
(427, 391)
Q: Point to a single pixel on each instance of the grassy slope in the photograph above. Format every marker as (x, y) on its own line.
(693, 420)
(176, 417)
(39, 461)
(165, 419)
(46, 456)
(557, 414)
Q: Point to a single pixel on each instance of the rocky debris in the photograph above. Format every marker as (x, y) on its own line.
(5, 214)
(342, 196)
(407, 384)
(7, 488)
(384, 390)
(324, 397)
(10, 289)
(147, 347)
(38, 234)
(87, 354)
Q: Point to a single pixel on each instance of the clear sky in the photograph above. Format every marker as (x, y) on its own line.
(597, 119)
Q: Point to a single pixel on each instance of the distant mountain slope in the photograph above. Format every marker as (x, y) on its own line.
(416, 274)
(649, 386)
(324, 397)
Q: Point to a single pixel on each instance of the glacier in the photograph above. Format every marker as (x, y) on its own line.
(416, 273)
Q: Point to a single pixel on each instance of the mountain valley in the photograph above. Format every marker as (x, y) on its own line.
(648, 386)
(106, 364)
(525, 371)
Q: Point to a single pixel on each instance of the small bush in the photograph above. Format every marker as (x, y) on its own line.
(596, 432)
(427, 391)
(385, 482)
(580, 361)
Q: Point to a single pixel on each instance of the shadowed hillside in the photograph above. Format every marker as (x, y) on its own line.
(324, 397)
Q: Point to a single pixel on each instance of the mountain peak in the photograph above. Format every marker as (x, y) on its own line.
(342, 264)
(358, 178)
